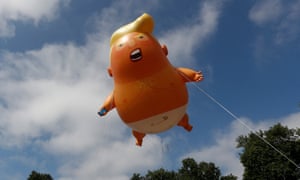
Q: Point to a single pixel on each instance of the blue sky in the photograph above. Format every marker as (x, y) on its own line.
(53, 60)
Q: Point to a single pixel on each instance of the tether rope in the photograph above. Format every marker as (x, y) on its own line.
(239, 120)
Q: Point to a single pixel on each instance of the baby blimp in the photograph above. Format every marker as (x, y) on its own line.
(149, 94)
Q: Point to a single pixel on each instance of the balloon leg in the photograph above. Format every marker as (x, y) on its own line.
(184, 122)
(139, 137)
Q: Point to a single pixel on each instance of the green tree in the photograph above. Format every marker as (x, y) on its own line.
(204, 171)
(161, 174)
(190, 170)
(39, 176)
(262, 162)
(137, 176)
(229, 177)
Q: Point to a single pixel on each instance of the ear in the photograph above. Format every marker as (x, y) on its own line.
(109, 72)
(165, 49)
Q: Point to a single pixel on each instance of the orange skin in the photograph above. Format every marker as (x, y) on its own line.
(145, 83)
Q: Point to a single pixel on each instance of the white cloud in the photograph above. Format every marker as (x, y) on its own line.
(116, 160)
(289, 27)
(6, 30)
(265, 11)
(292, 121)
(281, 17)
(224, 152)
(49, 97)
(32, 10)
(279, 26)
(42, 88)
(183, 41)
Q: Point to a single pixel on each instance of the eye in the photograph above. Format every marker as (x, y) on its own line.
(120, 46)
(141, 37)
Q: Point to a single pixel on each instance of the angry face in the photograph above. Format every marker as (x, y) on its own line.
(136, 55)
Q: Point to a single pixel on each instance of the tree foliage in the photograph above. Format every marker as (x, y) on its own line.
(229, 177)
(205, 171)
(261, 161)
(190, 170)
(39, 176)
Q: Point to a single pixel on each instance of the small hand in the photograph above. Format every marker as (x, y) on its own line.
(198, 76)
(102, 112)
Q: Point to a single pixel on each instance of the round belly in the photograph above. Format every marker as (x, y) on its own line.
(151, 96)
(160, 122)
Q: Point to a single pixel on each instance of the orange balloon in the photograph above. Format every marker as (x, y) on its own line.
(149, 93)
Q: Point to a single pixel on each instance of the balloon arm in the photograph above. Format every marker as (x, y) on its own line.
(108, 105)
(189, 75)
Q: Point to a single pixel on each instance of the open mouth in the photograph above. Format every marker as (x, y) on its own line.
(136, 55)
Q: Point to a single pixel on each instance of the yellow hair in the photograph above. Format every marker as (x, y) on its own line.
(143, 24)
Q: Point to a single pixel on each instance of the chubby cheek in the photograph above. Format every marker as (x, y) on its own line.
(118, 56)
(119, 60)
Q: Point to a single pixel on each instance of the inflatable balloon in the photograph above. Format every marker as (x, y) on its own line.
(149, 93)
